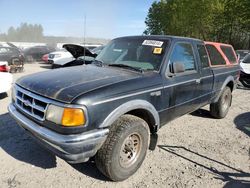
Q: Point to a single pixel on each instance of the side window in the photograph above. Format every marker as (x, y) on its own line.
(215, 56)
(203, 55)
(228, 51)
(183, 53)
(4, 50)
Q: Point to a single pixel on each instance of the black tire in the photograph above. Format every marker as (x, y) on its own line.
(3, 95)
(220, 109)
(245, 83)
(111, 158)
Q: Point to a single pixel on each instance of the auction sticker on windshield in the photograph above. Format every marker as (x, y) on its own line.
(155, 43)
(157, 51)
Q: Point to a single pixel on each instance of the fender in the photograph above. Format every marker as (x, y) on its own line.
(128, 106)
(229, 79)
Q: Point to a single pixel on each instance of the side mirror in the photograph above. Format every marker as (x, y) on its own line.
(175, 67)
(178, 67)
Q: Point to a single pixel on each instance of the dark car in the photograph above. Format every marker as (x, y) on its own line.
(112, 109)
(245, 71)
(36, 53)
(13, 56)
(242, 53)
(81, 55)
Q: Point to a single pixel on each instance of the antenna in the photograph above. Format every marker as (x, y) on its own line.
(84, 35)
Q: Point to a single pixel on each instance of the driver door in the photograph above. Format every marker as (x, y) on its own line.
(182, 87)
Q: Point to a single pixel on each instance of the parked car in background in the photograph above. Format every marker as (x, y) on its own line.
(98, 49)
(5, 82)
(36, 53)
(90, 46)
(74, 55)
(10, 54)
(60, 57)
(242, 53)
(245, 71)
(14, 57)
(45, 58)
(4, 66)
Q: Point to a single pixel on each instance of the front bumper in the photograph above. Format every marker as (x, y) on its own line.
(245, 79)
(75, 148)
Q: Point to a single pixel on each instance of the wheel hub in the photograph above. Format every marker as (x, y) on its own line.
(130, 150)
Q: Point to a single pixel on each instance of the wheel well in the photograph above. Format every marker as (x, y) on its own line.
(230, 85)
(146, 116)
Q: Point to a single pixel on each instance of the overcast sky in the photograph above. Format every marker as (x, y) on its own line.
(104, 18)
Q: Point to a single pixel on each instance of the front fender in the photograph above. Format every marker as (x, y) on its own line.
(128, 106)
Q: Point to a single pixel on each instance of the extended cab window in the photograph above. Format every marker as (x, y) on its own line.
(4, 50)
(203, 55)
(183, 53)
(215, 56)
(228, 51)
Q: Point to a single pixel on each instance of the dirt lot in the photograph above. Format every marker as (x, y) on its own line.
(193, 151)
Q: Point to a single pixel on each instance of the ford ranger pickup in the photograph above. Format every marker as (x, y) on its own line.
(111, 108)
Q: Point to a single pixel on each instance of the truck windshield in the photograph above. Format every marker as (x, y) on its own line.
(139, 53)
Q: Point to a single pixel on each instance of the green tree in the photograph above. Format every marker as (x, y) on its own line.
(25, 33)
(215, 20)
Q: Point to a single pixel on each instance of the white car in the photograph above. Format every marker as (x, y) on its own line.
(71, 56)
(6, 80)
(4, 66)
(60, 58)
(245, 71)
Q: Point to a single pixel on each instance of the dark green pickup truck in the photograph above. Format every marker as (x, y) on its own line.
(113, 108)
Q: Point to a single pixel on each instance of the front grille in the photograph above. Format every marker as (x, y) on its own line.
(30, 103)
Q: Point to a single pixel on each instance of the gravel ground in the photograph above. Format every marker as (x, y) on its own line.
(193, 151)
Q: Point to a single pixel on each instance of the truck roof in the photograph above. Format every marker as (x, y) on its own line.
(170, 37)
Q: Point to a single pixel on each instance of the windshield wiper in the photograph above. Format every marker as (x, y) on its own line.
(97, 63)
(127, 67)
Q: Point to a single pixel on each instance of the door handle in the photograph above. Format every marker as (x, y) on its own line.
(198, 81)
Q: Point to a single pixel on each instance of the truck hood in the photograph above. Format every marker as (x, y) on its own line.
(67, 83)
(78, 51)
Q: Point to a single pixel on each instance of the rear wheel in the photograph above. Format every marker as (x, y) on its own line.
(221, 107)
(125, 148)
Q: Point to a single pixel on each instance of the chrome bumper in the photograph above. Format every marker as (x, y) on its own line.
(75, 148)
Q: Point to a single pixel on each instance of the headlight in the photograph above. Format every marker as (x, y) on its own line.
(57, 55)
(68, 117)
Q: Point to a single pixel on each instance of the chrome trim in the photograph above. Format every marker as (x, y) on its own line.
(179, 83)
(128, 95)
(73, 148)
(216, 74)
(53, 102)
(52, 136)
(205, 77)
(20, 102)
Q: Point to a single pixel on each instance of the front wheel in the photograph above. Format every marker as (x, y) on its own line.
(125, 148)
(220, 109)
